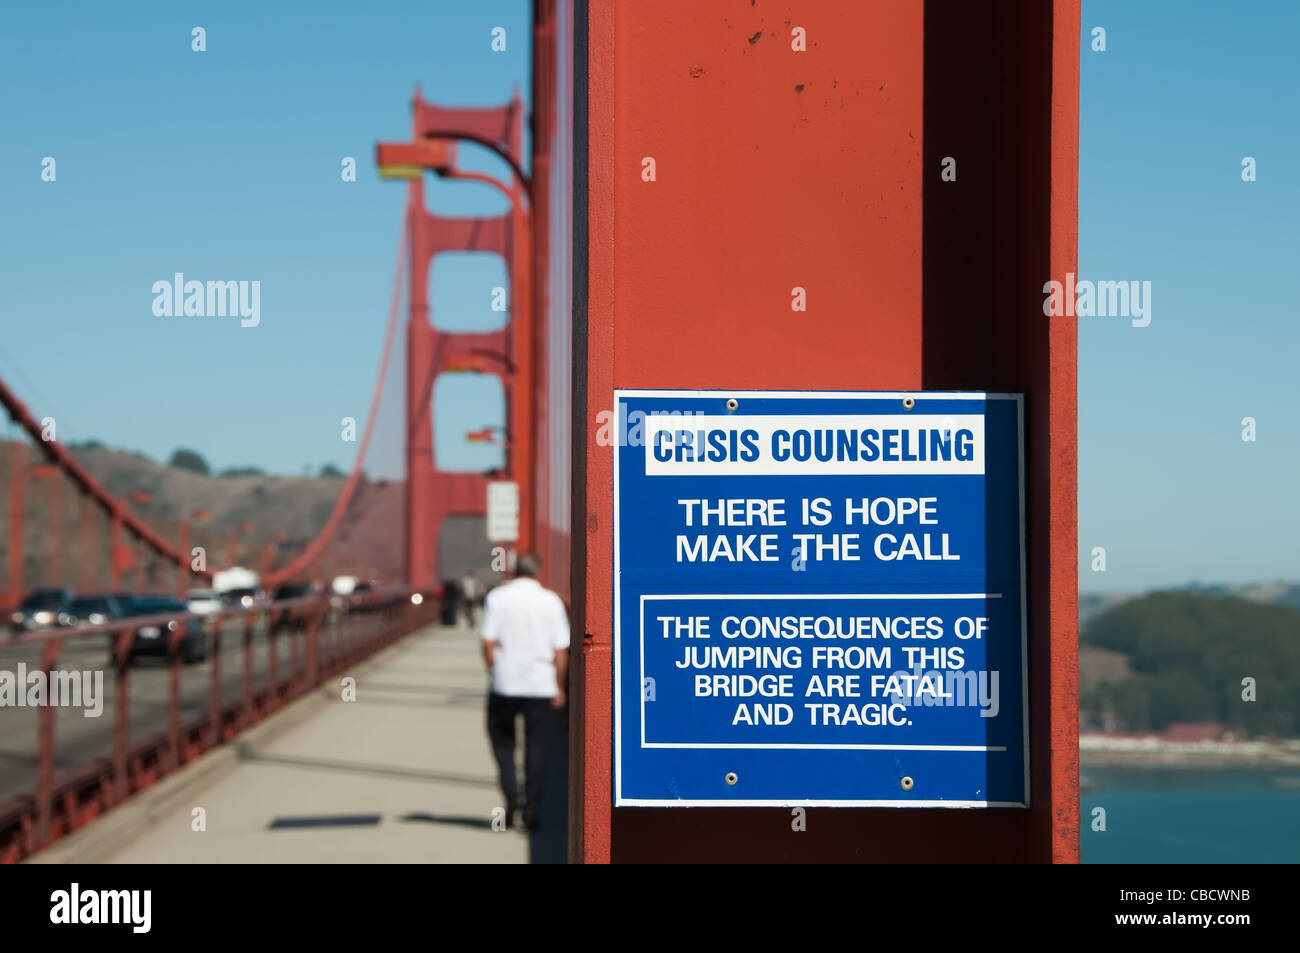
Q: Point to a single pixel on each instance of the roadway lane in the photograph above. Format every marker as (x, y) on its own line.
(79, 740)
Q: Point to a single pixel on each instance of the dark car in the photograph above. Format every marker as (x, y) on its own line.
(286, 619)
(244, 598)
(292, 590)
(40, 610)
(152, 639)
(93, 610)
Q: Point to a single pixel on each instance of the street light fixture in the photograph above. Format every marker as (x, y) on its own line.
(410, 160)
(488, 435)
(476, 361)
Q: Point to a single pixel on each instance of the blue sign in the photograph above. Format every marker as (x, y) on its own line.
(819, 599)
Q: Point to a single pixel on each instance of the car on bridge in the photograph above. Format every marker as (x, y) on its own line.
(285, 619)
(152, 639)
(245, 597)
(204, 601)
(292, 590)
(93, 609)
(40, 610)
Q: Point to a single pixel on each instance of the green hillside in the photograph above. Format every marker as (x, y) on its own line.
(1188, 653)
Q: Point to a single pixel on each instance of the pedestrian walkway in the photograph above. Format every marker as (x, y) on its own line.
(403, 774)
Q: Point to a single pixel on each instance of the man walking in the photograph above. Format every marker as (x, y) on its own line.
(526, 647)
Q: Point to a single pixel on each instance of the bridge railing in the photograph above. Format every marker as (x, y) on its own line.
(299, 642)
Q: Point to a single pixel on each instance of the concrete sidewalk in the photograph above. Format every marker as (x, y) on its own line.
(403, 774)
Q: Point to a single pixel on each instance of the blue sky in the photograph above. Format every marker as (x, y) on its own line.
(225, 165)
(1183, 92)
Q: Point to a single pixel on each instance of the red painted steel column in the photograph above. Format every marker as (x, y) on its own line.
(591, 770)
(519, 386)
(543, 127)
(1062, 426)
(420, 524)
(442, 493)
(778, 170)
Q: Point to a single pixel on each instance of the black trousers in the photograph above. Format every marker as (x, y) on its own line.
(537, 732)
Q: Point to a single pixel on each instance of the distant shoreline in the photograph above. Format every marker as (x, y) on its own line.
(1097, 751)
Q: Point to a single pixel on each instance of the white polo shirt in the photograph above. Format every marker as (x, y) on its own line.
(528, 624)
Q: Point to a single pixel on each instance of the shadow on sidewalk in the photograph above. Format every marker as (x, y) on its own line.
(460, 820)
(332, 820)
(246, 754)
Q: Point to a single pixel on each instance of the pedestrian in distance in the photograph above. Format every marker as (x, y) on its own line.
(470, 598)
(525, 638)
(450, 602)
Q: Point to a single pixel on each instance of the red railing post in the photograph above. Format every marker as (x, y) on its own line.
(273, 684)
(295, 675)
(174, 637)
(45, 750)
(248, 714)
(121, 713)
(312, 646)
(342, 635)
(214, 685)
(362, 625)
